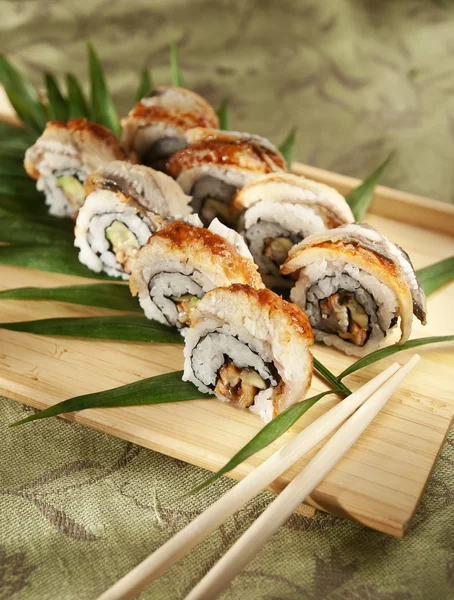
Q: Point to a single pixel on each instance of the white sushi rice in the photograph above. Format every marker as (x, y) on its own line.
(378, 243)
(232, 237)
(255, 237)
(100, 210)
(51, 167)
(292, 189)
(295, 218)
(401, 259)
(270, 220)
(263, 404)
(233, 176)
(151, 133)
(323, 278)
(206, 347)
(158, 279)
(214, 182)
(167, 278)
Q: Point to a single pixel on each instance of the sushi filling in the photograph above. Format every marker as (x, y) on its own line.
(174, 294)
(338, 304)
(343, 314)
(270, 244)
(64, 191)
(114, 240)
(239, 386)
(159, 152)
(73, 189)
(277, 249)
(211, 198)
(123, 243)
(234, 371)
(184, 305)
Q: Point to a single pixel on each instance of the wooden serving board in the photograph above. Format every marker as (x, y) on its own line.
(381, 479)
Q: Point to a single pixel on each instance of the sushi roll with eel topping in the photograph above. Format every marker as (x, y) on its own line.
(216, 164)
(125, 204)
(155, 127)
(355, 286)
(181, 262)
(281, 209)
(63, 156)
(249, 347)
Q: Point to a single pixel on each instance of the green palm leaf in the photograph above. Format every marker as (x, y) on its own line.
(11, 167)
(103, 295)
(154, 390)
(77, 105)
(58, 107)
(102, 106)
(61, 258)
(360, 198)
(223, 114)
(19, 205)
(390, 350)
(437, 275)
(14, 228)
(19, 186)
(145, 84)
(12, 136)
(330, 377)
(177, 77)
(22, 96)
(287, 147)
(124, 328)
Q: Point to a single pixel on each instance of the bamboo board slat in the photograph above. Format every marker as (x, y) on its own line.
(379, 482)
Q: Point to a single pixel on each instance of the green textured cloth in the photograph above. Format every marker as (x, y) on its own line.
(359, 78)
(78, 509)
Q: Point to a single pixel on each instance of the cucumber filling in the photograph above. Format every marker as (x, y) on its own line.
(73, 190)
(124, 243)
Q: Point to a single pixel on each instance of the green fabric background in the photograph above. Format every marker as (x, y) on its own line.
(80, 508)
(359, 79)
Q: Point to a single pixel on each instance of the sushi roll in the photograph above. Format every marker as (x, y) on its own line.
(249, 347)
(182, 262)
(63, 156)
(278, 211)
(125, 204)
(355, 286)
(155, 127)
(216, 164)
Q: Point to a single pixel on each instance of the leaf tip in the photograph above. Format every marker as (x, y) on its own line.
(287, 146)
(177, 78)
(22, 421)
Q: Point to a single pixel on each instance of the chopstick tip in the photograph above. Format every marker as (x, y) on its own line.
(414, 360)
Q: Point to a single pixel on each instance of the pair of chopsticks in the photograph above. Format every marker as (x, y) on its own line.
(367, 402)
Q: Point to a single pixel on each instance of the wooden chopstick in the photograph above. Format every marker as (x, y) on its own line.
(196, 531)
(219, 577)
